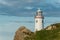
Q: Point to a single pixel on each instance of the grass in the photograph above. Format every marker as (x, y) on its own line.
(49, 34)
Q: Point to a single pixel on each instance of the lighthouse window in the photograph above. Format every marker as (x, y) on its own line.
(36, 21)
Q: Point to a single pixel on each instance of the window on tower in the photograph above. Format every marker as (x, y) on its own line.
(36, 21)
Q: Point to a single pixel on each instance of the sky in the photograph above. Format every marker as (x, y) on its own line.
(16, 13)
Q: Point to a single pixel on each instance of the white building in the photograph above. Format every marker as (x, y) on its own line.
(39, 24)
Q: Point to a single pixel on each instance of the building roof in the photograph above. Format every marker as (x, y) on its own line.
(38, 10)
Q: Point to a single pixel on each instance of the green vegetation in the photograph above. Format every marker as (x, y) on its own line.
(31, 37)
(49, 34)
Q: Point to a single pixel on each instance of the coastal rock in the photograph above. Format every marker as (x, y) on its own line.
(22, 33)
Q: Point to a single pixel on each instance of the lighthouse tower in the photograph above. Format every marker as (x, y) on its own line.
(39, 25)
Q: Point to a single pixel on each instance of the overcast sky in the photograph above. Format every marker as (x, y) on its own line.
(15, 13)
(27, 8)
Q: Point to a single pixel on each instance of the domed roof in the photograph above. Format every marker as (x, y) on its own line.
(38, 10)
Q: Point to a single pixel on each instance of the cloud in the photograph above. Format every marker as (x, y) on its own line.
(33, 2)
(29, 8)
(4, 2)
(23, 21)
(29, 1)
(17, 2)
(3, 13)
(55, 3)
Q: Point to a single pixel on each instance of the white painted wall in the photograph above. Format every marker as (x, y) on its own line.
(38, 24)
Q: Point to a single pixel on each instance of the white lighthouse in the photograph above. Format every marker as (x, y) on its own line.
(39, 24)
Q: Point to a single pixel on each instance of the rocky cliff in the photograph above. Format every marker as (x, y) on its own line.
(23, 33)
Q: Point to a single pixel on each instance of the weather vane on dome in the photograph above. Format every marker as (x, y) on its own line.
(38, 10)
